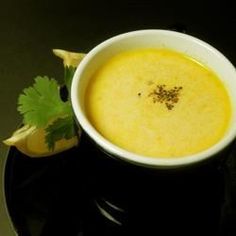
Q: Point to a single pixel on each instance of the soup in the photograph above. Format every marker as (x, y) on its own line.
(158, 103)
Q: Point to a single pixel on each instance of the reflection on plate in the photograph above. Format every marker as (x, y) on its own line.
(82, 192)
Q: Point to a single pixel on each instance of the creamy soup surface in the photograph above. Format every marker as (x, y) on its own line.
(158, 103)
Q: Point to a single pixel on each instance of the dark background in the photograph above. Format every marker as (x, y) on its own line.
(29, 30)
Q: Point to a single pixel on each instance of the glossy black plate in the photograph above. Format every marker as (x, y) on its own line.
(83, 192)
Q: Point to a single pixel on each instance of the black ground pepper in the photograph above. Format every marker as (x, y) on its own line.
(168, 96)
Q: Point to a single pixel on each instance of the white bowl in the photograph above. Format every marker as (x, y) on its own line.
(189, 45)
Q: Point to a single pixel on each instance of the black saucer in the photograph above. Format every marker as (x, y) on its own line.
(83, 192)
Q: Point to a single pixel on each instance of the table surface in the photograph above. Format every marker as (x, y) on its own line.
(31, 29)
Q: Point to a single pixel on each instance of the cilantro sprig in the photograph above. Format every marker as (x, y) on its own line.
(42, 107)
(41, 103)
(46, 114)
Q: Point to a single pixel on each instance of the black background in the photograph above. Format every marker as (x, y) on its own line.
(29, 30)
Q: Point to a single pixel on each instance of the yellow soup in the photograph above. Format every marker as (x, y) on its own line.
(158, 103)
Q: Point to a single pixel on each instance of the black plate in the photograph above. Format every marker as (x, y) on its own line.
(82, 192)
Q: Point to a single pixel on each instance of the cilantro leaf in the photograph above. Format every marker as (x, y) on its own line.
(68, 75)
(59, 129)
(41, 103)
